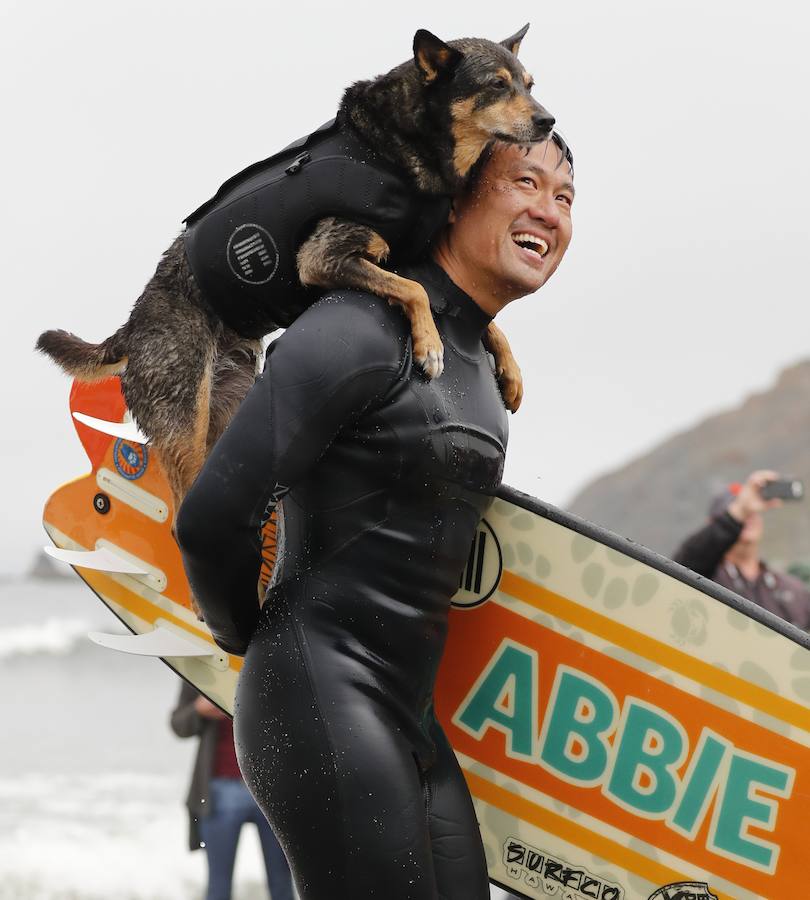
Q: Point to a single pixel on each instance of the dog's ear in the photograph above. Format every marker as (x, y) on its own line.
(432, 56)
(512, 44)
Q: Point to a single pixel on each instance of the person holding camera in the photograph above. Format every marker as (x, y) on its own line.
(727, 550)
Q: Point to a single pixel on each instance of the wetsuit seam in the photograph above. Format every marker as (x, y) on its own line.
(350, 541)
(348, 503)
(399, 381)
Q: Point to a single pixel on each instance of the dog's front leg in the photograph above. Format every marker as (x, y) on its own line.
(343, 254)
(506, 367)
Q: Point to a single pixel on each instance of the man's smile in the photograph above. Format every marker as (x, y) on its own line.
(531, 246)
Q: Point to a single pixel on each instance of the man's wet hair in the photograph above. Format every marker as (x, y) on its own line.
(565, 150)
(566, 156)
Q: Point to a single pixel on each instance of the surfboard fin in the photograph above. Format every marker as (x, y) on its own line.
(102, 560)
(127, 430)
(159, 642)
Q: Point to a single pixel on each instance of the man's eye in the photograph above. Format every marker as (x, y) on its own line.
(527, 179)
(565, 198)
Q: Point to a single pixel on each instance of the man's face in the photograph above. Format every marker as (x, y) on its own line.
(511, 232)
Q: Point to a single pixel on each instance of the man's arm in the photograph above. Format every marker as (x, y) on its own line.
(703, 551)
(325, 371)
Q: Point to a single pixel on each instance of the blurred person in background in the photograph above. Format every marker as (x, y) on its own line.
(727, 550)
(219, 803)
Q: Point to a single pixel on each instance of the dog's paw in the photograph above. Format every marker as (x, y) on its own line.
(432, 362)
(510, 382)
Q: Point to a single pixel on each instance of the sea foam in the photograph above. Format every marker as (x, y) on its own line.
(53, 635)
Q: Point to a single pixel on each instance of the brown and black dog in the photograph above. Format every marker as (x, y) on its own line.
(184, 372)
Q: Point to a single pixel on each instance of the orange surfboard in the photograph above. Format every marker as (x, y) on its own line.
(627, 729)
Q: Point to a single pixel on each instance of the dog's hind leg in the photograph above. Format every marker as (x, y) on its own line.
(506, 367)
(167, 385)
(187, 449)
(236, 366)
(343, 254)
(182, 450)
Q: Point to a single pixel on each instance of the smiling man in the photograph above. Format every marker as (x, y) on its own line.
(508, 234)
(385, 475)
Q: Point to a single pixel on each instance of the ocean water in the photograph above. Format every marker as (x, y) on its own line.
(92, 780)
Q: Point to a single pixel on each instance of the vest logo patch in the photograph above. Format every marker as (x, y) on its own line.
(252, 254)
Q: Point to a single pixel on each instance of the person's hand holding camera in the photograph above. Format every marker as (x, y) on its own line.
(749, 501)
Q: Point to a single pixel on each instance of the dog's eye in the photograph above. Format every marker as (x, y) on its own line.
(498, 84)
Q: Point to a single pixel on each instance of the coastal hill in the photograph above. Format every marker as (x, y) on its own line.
(660, 497)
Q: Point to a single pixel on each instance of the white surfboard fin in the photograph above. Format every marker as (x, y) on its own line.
(127, 430)
(158, 642)
(102, 560)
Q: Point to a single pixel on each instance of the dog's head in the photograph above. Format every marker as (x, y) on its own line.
(480, 92)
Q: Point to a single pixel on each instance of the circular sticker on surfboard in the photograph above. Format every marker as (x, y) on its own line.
(130, 459)
(482, 573)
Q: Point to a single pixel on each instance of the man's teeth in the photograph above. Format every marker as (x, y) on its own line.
(537, 244)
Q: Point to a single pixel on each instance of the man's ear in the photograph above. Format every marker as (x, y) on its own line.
(512, 44)
(432, 56)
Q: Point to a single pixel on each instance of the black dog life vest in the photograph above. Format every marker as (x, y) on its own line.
(242, 243)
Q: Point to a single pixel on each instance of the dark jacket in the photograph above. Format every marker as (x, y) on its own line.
(704, 551)
(187, 722)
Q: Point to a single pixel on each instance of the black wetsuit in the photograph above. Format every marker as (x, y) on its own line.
(385, 476)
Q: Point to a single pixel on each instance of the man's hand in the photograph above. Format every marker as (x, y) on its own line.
(207, 709)
(749, 501)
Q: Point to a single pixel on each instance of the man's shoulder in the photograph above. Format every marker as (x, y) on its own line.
(793, 584)
(354, 324)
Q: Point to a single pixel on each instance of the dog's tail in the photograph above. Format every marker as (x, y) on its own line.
(86, 362)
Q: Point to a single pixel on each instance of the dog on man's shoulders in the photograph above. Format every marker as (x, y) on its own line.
(411, 139)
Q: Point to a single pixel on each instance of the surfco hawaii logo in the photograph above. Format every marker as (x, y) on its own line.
(684, 890)
(554, 877)
(483, 571)
(252, 254)
(130, 459)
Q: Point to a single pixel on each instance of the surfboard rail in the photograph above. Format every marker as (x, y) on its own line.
(655, 560)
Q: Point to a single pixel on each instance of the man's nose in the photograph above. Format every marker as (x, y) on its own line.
(545, 209)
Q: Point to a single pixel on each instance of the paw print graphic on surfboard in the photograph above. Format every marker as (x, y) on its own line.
(614, 747)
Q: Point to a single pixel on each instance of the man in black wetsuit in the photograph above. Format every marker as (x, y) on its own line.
(384, 476)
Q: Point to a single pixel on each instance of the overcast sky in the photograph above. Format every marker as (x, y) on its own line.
(686, 284)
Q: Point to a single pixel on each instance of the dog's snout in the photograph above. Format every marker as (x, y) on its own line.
(543, 122)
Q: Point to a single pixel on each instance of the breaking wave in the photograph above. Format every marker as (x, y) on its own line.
(54, 636)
